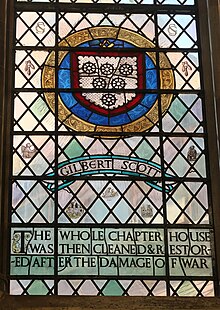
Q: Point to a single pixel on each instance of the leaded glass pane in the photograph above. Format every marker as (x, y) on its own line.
(110, 190)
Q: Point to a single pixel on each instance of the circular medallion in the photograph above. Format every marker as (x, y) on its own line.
(107, 81)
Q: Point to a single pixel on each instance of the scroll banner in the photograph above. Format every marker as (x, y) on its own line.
(111, 165)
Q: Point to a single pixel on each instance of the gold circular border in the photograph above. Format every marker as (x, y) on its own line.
(82, 36)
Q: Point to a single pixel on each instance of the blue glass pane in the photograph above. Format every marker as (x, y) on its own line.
(64, 79)
(81, 111)
(65, 64)
(119, 120)
(137, 112)
(98, 119)
(149, 100)
(68, 100)
(151, 79)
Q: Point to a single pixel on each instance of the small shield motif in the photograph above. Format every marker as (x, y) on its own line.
(74, 210)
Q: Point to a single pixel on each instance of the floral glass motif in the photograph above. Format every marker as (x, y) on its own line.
(110, 194)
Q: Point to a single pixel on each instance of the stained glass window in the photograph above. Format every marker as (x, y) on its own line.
(110, 190)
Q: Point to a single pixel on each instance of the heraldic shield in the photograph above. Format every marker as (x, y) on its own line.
(108, 81)
(103, 79)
